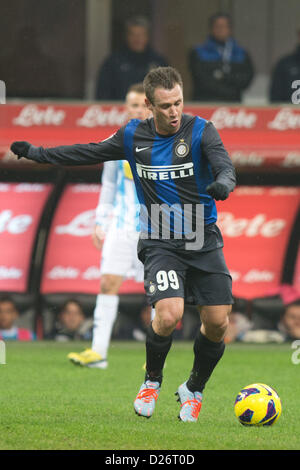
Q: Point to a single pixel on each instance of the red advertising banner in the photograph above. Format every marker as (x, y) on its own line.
(21, 206)
(255, 137)
(256, 223)
(72, 263)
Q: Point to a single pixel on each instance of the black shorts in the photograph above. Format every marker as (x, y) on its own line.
(200, 277)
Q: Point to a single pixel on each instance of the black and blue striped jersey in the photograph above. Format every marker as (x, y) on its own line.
(169, 170)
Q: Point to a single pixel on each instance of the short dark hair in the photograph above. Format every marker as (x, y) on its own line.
(137, 88)
(71, 301)
(216, 16)
(161, 77)
(137, 21)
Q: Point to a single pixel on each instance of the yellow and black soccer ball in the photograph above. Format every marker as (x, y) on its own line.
(257, 405)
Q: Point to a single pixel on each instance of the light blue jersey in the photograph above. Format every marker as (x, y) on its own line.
(118, 205)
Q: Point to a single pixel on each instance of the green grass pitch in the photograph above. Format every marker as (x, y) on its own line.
(48, 403)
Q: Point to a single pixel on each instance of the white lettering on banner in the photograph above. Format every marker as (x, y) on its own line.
(258, 276)
(62, 272)
(93, 272)
(233, 227)
(285, 119)
(291, 159)
(69, 272)
(235, 275)
(253, 190)
(282, 191)
(254, 275)
(225, 118)
(4, 187)
(14, 225)
(244, 159)
(81, 226)
(10, 272)
(32, 115)
(85, 188)
(95, 116)
(29, 188)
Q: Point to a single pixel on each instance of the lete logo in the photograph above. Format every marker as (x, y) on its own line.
(14, 225)
(80, 226)
(225, 118)
(95, 116)
(258, 225)
(32, 115)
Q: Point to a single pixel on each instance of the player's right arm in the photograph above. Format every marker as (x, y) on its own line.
(77, 154)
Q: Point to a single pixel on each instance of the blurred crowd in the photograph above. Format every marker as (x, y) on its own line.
(271, 319)
(220, 68)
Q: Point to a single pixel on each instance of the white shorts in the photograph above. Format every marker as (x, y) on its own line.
(119, 256)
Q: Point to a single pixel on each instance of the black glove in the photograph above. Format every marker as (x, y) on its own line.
(20, 148)
(218, 191)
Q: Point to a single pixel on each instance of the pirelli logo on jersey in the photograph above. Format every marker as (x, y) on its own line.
(171, 172)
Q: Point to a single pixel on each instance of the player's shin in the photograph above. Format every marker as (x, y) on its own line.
(207, 354)
(104, 317)
(157, 348)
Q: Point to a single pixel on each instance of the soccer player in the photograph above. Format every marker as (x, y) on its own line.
(119, 237)
(178, 162)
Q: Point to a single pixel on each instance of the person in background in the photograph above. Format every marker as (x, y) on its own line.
(116, 232)
(220, 68)
(286, 328)
(285, 72)
(71, 323)
(130, 64)
(239, 325)
(9, 315)
(289, 324)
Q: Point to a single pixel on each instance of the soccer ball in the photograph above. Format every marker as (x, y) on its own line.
(257, 405)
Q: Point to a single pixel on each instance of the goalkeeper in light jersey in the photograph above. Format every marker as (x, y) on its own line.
(116, 229)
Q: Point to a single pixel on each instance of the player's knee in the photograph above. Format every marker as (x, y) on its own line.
(216, 323)
(108, 285)
(169, 313)
(169, 320)
(220, 324)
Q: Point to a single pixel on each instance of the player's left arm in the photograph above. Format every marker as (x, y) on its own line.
(220, 162)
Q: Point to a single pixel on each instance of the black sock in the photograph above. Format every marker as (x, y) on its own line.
(207, 355)
(157, 348)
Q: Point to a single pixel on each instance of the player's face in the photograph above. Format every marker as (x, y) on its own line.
(167, 109)
(136, 106)
(221, 30)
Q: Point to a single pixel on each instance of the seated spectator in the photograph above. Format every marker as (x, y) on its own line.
(239, 325)
(289, 324)
(132, 326)
(129, 65)
(221, 69)
(71, 323)
(9, 315)
(286, 70)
